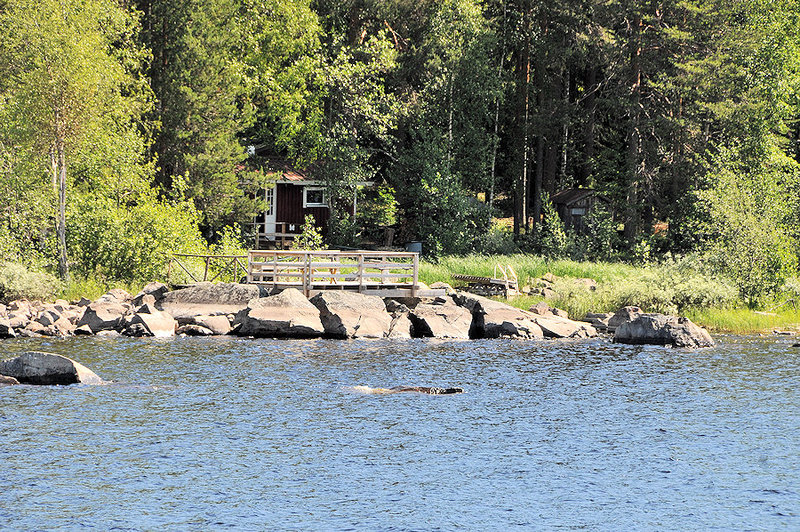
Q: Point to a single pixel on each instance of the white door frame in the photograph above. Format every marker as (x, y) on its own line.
(269, 214)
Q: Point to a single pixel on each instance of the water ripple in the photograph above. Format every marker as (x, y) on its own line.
(198, 434)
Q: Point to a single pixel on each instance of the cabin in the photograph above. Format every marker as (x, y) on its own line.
(295, 194)
(572, 205)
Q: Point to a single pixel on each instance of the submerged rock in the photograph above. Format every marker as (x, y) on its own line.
(36, 367)
(430, 390)
(659, 329)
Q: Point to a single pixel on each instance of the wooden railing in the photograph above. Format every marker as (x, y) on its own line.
(226, 266)
(282, 238)
(384, 273)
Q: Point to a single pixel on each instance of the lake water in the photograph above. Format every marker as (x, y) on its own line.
(214, 433)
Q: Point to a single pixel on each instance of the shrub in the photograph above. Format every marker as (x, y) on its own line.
(18, 282)
(309, 238)
(129, 242)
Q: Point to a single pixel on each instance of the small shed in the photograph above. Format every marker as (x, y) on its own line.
(572, 205)
(294, 195)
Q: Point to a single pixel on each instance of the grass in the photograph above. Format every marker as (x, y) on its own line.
(744, 321)
(527, 267)
(671, 288)
(94, 288)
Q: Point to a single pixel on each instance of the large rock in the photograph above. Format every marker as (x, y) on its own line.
(623, 315)
(401, 327)
(598, 320)
(352, 315)
(658, 329)
(216, 324)
(285, 315)
(149, 321)
(60, 328)
(104, 315)
(493, 319)
(6, 330)
(115, 295)
(151, 293)
(443, 319)
(18, 320)
(34, 367)
(558, 327)
(194, 330)
(208, 299)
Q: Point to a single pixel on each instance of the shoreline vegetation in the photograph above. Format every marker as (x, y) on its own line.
(672, 287)
(661, 158)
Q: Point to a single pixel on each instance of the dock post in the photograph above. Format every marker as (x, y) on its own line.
(360, 273)
(415, 276)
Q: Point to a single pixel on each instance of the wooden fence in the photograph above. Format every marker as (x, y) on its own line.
(227, 267)
(388, 274)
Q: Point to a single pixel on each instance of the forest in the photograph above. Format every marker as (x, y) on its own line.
(131, 130)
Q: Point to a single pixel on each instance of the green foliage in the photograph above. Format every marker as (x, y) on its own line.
(310, 237)
(201, 83)
(18, 282)
(549, 237)
(600, 240)
(744, 321)
(672, 287)
(230, 242)
(753, 219)
(70, 88)
(130, 242)
(497, 240)
(93, 287)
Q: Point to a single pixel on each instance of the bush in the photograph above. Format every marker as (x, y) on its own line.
(18, 282)
(309, 238)
(496, 241)
(129, 242)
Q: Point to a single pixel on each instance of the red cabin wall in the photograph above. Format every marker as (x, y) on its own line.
(289, 207)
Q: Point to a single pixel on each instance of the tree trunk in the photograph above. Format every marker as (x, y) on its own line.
(540, 142)
(634, 141)
(496, 139)
(61, 224)
(587, 164)
(562, 171)
(523, 114)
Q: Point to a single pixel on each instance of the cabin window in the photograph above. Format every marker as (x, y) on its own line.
(578, 211)
(314, 197)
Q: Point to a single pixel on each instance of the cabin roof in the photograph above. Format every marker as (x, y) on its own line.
(285, 172)
(572, 195)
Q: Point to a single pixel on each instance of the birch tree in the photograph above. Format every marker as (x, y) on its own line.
(63, 78)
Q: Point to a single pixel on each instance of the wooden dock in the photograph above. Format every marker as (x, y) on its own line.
(505, 284)
(385, 274)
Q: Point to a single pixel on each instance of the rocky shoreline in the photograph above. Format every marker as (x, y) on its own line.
(208, 309)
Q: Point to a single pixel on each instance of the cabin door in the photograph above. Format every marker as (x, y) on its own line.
(269, 214)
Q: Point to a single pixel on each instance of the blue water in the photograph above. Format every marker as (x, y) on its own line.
(214, 433)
